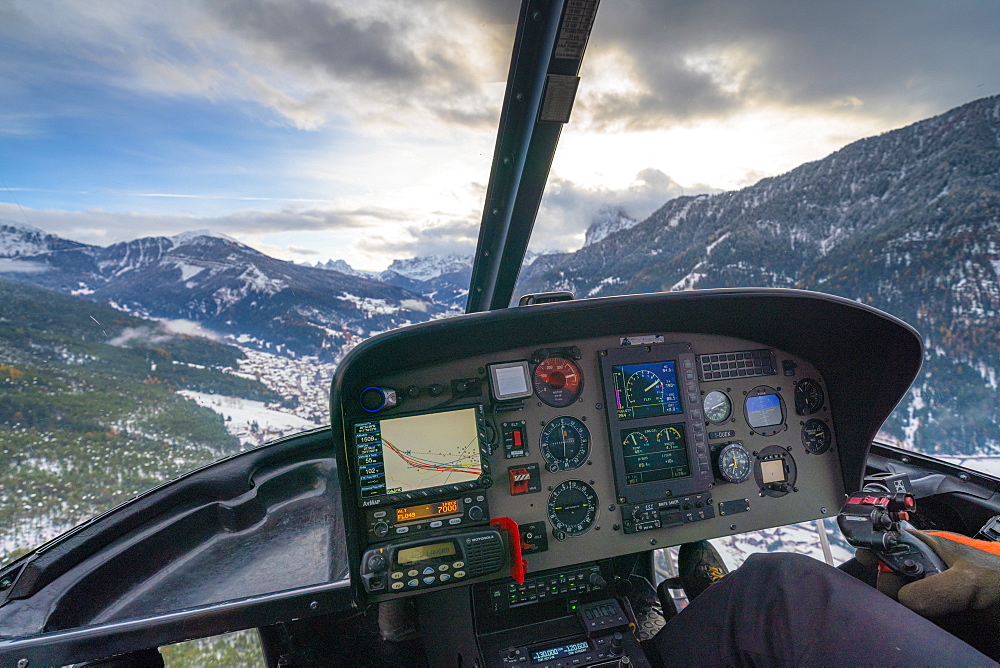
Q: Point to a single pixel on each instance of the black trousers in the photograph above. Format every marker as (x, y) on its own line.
(792, 610)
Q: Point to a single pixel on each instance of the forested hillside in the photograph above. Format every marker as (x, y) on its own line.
(89, 414)
(908, 222)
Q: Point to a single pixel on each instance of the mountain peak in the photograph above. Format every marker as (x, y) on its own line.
(609, 219)
(199, 236)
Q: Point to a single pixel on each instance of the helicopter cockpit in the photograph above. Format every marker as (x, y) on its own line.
(503, 478)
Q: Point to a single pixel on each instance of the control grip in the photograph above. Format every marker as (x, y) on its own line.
(911, 557)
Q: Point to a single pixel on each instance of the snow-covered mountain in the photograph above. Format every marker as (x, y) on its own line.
(20, 239)
(220, 283)
(608, 221)
(443, 279)
(908, 221)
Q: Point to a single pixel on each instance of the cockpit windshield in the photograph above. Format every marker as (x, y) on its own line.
(206, 206)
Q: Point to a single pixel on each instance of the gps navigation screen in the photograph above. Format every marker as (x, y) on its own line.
(416, 452)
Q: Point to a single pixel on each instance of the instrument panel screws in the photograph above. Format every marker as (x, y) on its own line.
(652, 541)
(314, 605)
(823, 510)
(611, 507)
(732, 527)
(22, 663)
(616, 527)
(964, 477)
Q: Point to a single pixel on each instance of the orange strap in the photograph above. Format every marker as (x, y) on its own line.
(984, 545)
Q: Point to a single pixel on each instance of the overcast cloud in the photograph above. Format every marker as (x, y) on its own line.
(364, 130)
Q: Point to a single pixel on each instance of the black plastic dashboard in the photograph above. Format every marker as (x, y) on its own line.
(605, 427)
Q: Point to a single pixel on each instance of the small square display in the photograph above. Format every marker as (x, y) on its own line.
(510, 380)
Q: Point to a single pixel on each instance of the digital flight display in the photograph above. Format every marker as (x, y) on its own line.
(543, 655)
(655, 453)
(646, 390)
(416, 452)
(439, 509)
(764, 410)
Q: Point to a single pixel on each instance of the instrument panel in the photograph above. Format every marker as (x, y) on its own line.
(594, 447)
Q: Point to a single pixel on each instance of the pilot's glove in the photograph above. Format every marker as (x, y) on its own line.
(965, 598)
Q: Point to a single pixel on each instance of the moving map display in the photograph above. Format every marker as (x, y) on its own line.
(415, 452)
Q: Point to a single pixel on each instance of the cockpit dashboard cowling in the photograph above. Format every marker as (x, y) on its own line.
(599, 427)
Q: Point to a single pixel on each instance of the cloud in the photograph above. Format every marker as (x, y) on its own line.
(653, 64)
(307, 61)
(106, 227)
(456, 236)
(568, 209)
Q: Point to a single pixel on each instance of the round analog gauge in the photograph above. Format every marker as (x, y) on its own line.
(557, 381)
(717, 406)
(816, 436)
(565, 444)
(808, 396)
(572, 507)
(734, 463)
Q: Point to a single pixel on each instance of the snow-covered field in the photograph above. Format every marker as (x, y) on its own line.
(251, 421)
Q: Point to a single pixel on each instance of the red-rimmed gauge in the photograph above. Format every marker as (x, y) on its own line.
(558, 381)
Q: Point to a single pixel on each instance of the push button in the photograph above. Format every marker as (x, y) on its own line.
(397, 585)
(412, 572)
(412, 583)
(428, 570)
(459, 574)
(443, 567)
(458, 564)
(429, 579)
(398, 575)
(444, 577)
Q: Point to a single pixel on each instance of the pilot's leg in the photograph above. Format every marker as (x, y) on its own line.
(789, 609)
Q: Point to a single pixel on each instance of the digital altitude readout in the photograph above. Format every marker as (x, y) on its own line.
(440, 509)
(655, 453)
(646, 390)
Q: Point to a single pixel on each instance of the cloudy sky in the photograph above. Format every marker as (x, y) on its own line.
(314, 129)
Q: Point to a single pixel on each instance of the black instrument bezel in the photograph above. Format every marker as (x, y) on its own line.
(691, 417)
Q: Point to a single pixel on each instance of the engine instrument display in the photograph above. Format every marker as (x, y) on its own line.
(646, 390)
(412, 453)
(816, 436)
(557, 381)
(655, 453)
(808, 396)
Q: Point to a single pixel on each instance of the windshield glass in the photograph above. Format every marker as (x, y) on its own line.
(734, 144)
(204, 206)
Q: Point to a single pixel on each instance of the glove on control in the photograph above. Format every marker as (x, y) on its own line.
(965, 599)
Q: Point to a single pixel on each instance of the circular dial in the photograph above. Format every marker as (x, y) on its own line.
(816, 436)
(572, 507)
(565, 443)
(644, 388)
(734, 463)
(717, 406)
(557, 381)
(808, 396)
(668, 436)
